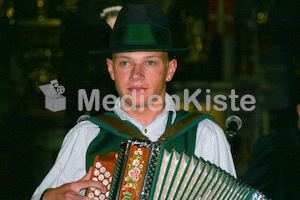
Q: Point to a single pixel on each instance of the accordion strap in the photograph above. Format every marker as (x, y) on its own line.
(178, 126)
(121, 126)
(125, 128)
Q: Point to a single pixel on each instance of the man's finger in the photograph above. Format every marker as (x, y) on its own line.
(64, 192)
(86, 184)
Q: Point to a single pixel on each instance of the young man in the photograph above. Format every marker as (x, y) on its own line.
(140, 65)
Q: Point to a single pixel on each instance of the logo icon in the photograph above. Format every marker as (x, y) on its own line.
(54, 100)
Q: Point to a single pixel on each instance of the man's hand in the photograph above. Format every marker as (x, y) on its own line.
(71, 190)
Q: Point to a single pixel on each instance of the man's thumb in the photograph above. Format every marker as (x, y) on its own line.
(88, 175)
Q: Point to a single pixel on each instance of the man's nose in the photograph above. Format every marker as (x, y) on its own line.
(137, 73)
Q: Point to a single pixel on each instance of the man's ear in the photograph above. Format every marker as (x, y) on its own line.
(171, 69)
(110, 68)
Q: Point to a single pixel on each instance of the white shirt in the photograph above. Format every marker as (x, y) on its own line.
(211, 144)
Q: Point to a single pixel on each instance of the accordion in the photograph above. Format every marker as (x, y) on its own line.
(146, 170)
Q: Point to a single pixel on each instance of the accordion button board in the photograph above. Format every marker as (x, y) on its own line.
(103, 169)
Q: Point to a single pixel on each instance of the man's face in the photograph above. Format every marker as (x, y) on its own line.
(139, 76)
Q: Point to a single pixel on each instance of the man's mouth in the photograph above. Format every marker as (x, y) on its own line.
(137, 89)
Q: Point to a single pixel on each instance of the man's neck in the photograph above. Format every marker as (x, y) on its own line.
(145, 115)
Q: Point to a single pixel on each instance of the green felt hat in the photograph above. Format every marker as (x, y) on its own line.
(141, 27)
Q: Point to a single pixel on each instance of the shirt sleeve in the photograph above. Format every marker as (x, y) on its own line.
(70, 162)
(212, 145)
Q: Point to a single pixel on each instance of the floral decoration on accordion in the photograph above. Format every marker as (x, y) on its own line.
(135, 169)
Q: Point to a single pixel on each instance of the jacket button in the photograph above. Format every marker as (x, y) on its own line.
(144, 130)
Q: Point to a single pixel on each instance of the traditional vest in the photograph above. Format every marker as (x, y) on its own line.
(113, 132)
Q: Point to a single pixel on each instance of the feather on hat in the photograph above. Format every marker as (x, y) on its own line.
(110, 15)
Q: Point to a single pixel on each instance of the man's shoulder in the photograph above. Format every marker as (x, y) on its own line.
(81, 132)
(209, 125)
(183, 113)
(84, 126)
(205, 123)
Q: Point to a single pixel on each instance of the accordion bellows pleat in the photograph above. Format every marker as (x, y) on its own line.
(146, 170)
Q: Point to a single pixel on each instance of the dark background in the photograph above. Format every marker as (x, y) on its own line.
(40, 40)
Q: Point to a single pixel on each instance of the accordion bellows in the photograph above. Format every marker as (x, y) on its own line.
(146, 170)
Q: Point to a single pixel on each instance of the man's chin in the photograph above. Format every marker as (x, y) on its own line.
(133, 106)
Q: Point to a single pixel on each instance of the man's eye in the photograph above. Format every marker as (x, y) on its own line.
(125, 63)
(150, 63)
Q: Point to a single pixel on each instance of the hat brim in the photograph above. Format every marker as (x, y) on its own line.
(138, 48)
